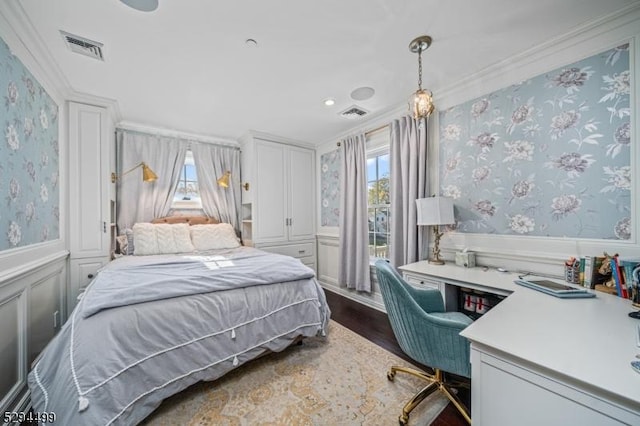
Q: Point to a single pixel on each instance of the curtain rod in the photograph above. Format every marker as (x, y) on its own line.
(372, 131)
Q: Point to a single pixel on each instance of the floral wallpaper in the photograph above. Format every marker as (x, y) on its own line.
(28, 157)
(330, 188)
(549, 156)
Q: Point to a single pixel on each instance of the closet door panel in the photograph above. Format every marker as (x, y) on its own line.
(89, 162)
(271, 197)
(301, 193)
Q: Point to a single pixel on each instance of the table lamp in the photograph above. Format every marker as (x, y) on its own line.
(435, 211)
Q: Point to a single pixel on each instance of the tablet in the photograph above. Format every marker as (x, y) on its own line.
(555, 288)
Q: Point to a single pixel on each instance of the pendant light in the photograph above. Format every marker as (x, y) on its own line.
(421, 102)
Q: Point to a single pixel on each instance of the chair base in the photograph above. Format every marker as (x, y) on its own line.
(436, 383)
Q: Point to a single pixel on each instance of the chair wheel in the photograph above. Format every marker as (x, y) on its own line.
(391, 375)
(403, 420)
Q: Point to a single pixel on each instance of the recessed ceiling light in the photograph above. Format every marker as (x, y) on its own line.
(362, 93)
(329, 102)
(251, 42)
(142, 5)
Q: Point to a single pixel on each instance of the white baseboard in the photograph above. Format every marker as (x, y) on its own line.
(371, 301)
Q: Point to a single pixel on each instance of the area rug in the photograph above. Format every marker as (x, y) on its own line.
(337, 380)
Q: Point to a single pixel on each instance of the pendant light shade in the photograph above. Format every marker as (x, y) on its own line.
(421, 102)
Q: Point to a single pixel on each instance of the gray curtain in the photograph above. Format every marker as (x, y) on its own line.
(140, 201)
(353, 269)
(212, 161)
(408, 160)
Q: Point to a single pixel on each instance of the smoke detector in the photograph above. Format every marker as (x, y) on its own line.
(353, 112)
(83, 46)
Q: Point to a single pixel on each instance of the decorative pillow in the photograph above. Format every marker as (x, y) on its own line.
(208, 237)
(173, 238)
(161, 239)
(128, 232)
(146, 242)
(121, 244)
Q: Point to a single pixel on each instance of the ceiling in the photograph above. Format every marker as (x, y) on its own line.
(186, 66)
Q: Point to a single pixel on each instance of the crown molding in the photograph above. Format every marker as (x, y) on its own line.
(274, 138)
(379, 119)
(31, 48)
(23, 39)
(558, 51)
(159, 131)
(111, 105)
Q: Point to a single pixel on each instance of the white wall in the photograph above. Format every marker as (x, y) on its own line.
(536, 254)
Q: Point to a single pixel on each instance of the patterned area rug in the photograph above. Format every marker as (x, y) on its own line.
(338, 380)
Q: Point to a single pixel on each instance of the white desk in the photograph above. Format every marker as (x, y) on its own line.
(540, 360)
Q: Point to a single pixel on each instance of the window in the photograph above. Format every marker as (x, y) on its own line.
(187, 194)
(379, 203)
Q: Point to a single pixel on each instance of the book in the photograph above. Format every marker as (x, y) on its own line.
(581, 273)
(616, 276)
(623, 280)
(628, 265)
(588, 272)
(601, 271)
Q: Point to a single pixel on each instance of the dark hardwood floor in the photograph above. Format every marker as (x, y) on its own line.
(374, 326)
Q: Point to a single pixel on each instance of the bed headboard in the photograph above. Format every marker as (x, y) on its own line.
(191, 220)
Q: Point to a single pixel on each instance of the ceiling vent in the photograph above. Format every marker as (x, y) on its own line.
(353, 112)
(82, 45)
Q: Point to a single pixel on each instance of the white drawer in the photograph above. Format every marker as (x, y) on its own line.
(422, 282)
(293, 250)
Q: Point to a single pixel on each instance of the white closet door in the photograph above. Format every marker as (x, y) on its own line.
(301, 193)
(271, 194)
(88, 165)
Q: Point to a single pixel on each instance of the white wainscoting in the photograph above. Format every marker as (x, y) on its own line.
(328, 256)
(32, 309)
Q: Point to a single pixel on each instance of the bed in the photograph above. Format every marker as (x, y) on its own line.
(149, 326)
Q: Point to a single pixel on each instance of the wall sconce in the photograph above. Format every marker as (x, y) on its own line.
(421, 101)
(147, 174)
(435, 211)
(223, 181)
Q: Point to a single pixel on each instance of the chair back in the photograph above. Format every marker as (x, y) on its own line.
(423, 330)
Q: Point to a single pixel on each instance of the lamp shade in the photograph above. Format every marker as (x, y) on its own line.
(435, 211)
(147, 174)
(223, 181)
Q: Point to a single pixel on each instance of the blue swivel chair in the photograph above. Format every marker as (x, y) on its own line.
(427, 334)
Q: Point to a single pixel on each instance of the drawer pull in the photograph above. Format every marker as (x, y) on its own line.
(301, 251)
(421, 282)
(90, 276)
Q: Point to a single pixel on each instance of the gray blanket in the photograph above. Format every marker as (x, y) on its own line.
(120, 354)
(138, 279)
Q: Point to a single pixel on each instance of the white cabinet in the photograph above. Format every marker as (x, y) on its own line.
(31, 313)
(91, 192)
(278, 210)
(505, 390)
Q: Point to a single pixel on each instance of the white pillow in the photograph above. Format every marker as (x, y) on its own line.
(173, 238)
(208, 237)
(161, 239)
